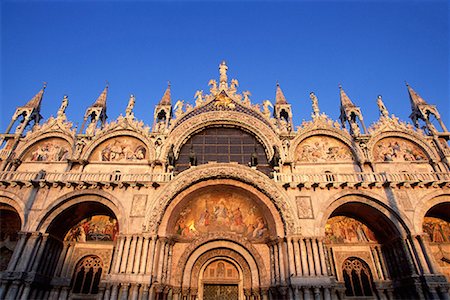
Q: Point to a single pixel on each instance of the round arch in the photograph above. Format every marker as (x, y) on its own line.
(182, 132)
(15, 202)
(87, 152)
(414, 139)
(240, 252)
(101, 198)
(384, 214)
(268, 209)
(24, 149)
(255, 179)
(424, 205)
(340, 135)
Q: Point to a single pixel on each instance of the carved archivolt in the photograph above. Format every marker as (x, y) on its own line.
(399, 221)
(181, 133)
(225, 171)
(214, 242)
(333, 135)
(221, 253)
(14, 201)
(123, 138)
(425, 204)
(43, 221)
(411, 147)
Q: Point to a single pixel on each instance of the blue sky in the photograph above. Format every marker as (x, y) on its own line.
(370, 47)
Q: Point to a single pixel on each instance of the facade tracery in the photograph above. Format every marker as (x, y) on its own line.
(225, 198)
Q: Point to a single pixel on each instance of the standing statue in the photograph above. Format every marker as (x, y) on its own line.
(315, 104)
(246, 100)
(192, 157)
(199, 98)
(223, 72)
(171, 156)
(130, 106)
(266, 110)
(383, 110)
(178, 108)
(276, 157)
(62, 109)
(213, 85)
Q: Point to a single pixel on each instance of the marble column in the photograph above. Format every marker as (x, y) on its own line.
(303, 254)
(126, 251)
(119, 252)
(144, 257)
(131, 255)
(291, 257)
(18, 251)
(138, 257)
(316, 257)
(297, 254)
(310, 257)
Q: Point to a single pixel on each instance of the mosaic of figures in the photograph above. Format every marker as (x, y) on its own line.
(321, 149)
(48, 150)
(220, 270)
(222, 212)
(95, 228)
(343, 229)
(437, 229)
(120, 149)
(395, 149)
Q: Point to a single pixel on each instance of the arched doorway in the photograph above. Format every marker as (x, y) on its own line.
(436, 226)
(366, 252)
(220, 279)
(222, 231)
(10, 225)
(81, 241)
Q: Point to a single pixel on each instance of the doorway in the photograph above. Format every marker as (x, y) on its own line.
(220, 291)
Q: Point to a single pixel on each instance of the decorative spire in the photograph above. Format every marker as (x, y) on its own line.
(101, 100)
(166, 98)
(345, 100)
(415, 98)
(35, 102)
(279, 96)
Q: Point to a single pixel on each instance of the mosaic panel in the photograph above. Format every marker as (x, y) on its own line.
(395, 149)
(52, 149)
(343, 229)
(322, 149)
(95, 228)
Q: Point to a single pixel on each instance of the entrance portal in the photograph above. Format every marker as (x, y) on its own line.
(220, 291)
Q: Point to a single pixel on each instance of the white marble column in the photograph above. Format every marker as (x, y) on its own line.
(316, 257)
(138, 258)
(291, 257)
(304, 257)
(131, 255)
(119, 252)
(126, 251)
(144, 257)
(310, 257)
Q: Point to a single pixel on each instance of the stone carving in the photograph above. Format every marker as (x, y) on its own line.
(315, 104)
(383, 110)
(129, 111)
(61, 114)
(95, 228)
(49, 150)
(266, 111)
(395, 149)
(121, 149)
(304, 207)
(437, 229)
(246, 100)
(221, 269)
(213, 84)
(139, 205)
(322, 149)
(342, 229)
(219, 212)
(199, 98)
(223, 101)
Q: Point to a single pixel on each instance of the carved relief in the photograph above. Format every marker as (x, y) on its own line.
(304, 207)
(120, 149)
(52, 149)
(95, 228)
(342, 229)
(220, 270)
(395, 149)
(437, 229)
(222, 212)
(322, 149)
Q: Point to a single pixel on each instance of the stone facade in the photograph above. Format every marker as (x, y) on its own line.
(225, 199)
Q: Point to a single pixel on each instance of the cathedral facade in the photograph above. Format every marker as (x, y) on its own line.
(225, 199)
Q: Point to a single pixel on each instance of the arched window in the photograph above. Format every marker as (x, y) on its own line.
(222, 145)
(87, 275)
(357, 278)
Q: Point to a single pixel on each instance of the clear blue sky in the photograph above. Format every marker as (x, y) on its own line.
(370, 47)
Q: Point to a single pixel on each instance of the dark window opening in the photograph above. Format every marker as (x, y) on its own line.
(87, 275)
(222, 145)
(357, 278)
